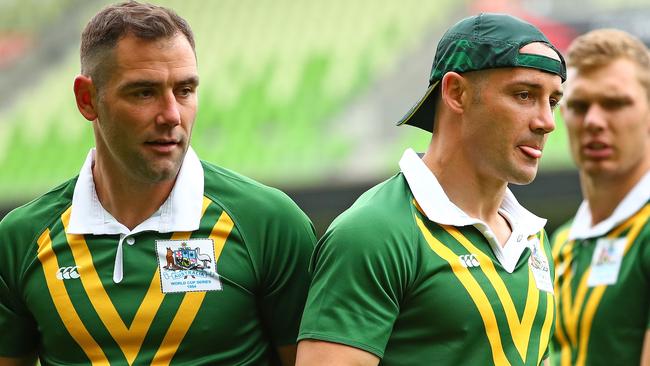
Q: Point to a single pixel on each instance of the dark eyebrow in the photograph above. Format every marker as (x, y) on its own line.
(192, 80)
(138, 84)
(143, 84)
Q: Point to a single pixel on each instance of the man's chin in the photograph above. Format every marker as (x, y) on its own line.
(159, 173)
(524, 177)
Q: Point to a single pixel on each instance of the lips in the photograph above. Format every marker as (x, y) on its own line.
(596, 149)
(162, 145)
(532, 151)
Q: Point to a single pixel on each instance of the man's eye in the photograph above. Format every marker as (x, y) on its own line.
(184, 92)
(144, 93)
(577, 107)
(553, 103)
(523, 95)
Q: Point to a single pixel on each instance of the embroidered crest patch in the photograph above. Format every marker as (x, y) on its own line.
(539, 266)
(187, 265)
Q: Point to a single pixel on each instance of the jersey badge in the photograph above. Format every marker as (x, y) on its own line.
(187, 265)
(606, 261)
(538, 264)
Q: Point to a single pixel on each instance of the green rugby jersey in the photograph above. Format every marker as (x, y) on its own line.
(603, 286)
(392, 282)
(58, 296)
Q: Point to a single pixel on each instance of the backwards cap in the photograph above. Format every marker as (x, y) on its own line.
(484, 41)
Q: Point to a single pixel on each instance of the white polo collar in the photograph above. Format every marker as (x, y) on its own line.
(630, 205)
(180, 212)
(438, 208)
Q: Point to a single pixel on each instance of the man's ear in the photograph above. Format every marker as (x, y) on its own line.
(85, 92)
(454, 91)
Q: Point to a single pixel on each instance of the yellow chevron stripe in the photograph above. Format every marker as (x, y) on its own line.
(637, 222)
(474, 290)
(520, 329)
(565, 347)
(546, 327)
(564, 293)
(63, 305)
(572, 307)
(130, 338)
(560, 238)
(192, 300)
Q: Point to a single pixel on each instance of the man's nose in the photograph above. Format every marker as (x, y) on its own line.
(169, 110)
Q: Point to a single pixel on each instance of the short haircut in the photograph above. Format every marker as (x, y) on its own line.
(106, 28)
(600, 47)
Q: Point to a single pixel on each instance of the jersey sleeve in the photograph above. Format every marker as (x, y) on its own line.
(290, 242)
(19, 335)
(359, 277)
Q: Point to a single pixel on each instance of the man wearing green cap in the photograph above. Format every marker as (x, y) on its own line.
(440, 265)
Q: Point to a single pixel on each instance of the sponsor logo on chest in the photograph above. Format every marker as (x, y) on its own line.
(67, 273)
(187, 265)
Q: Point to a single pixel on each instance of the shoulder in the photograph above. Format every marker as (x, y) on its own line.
(251, 204)
(22, 227)
(386, 206)
(234, 189)
(381, 219)
(560, 236)
(33, 217)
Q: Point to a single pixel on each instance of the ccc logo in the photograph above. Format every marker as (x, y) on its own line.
(468, 260)
(67, 273)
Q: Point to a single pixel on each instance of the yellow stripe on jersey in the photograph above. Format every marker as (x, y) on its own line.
(570, 312)
(63, 305)
(130, 338)
(520, 329)
(564, 265)
(187, 311)
(637, 222)
(546, 327)
(557, 244)
(474, 290)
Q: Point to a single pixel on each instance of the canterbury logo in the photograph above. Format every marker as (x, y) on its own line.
(67, 273)
(468, 260)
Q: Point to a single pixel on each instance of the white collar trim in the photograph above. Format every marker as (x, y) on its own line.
(181, 211)
(438, 208)
(631, 204)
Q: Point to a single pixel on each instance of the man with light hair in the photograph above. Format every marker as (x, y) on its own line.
(602, 255)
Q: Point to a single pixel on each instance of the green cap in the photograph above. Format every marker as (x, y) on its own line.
(484, 41)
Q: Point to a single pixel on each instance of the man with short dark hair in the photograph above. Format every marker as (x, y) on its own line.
(603, 254)
(439, 265)
(150, 255)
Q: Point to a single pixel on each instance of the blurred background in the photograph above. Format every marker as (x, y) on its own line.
(300, 95)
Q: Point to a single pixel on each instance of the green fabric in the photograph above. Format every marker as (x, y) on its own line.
(379, 286)
(622, 316)
(489, 41)
(262, 267)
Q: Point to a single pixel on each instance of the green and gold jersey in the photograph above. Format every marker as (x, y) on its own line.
(603, 294)
(225, 294)
(389, 281)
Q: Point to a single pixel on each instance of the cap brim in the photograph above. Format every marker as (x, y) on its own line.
(423, 113)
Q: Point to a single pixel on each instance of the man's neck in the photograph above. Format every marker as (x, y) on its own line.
(605, 193)
(477, 197)
(130, 202)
